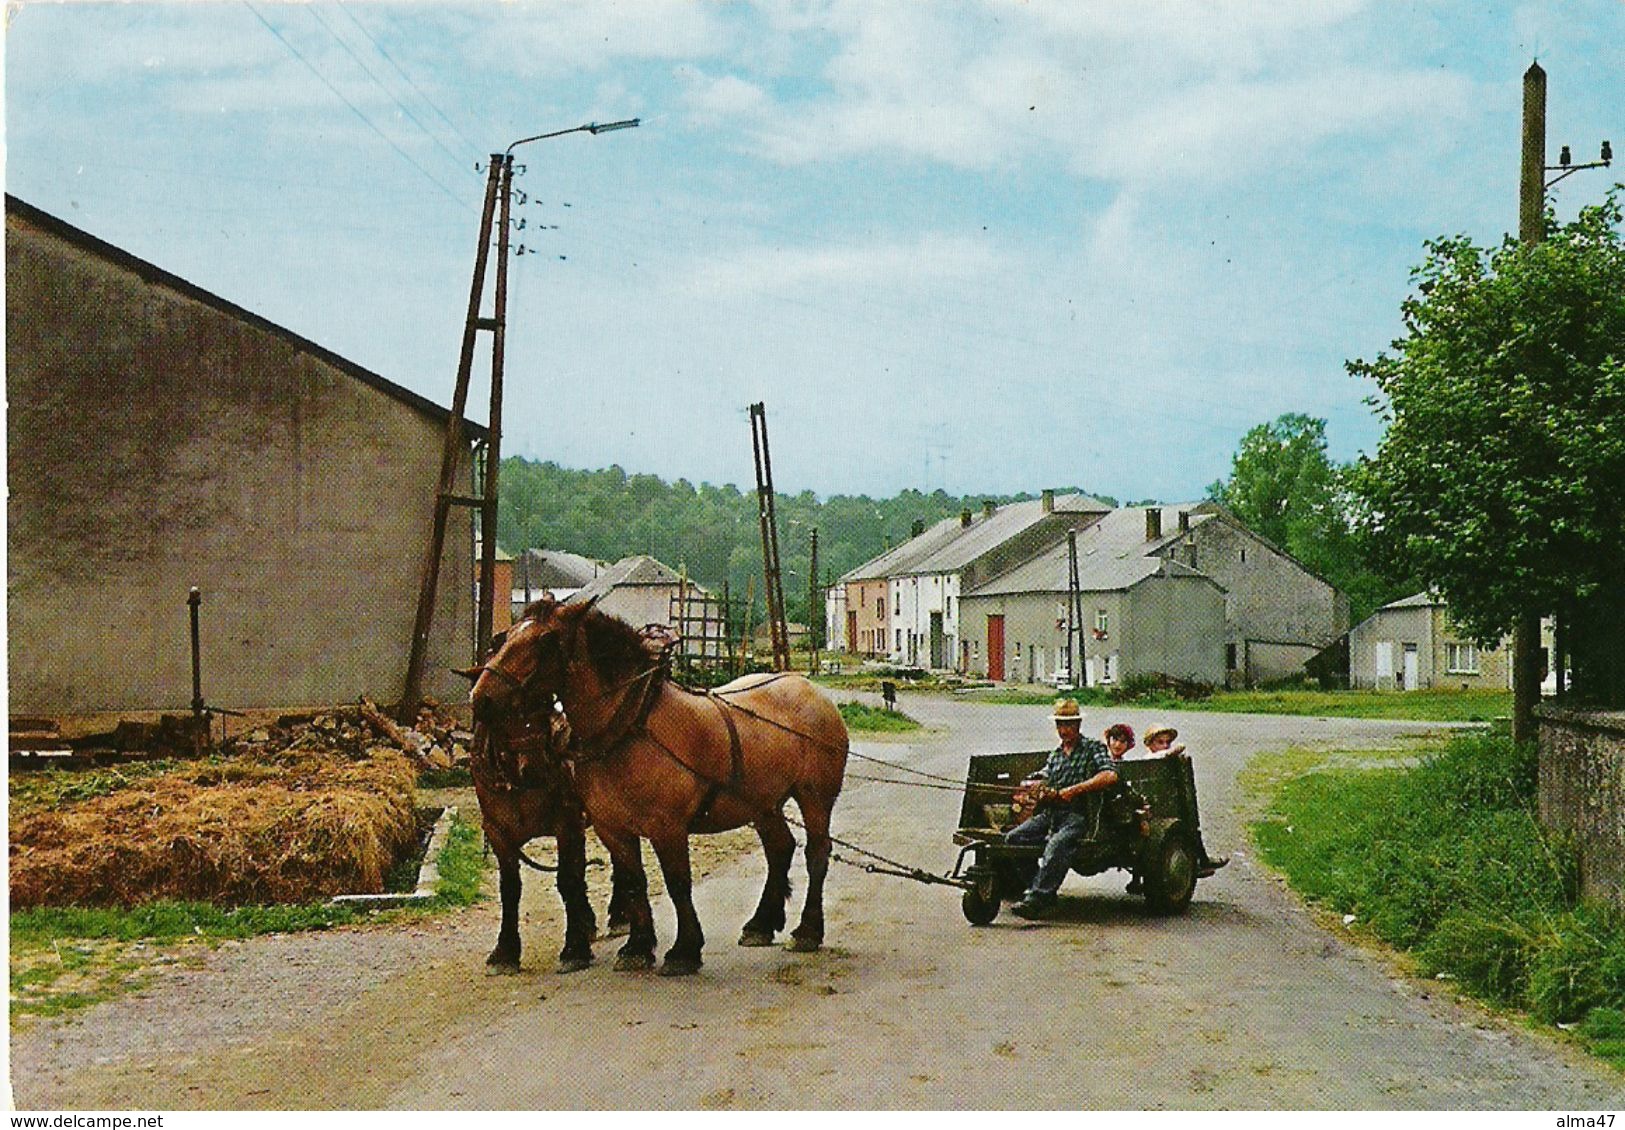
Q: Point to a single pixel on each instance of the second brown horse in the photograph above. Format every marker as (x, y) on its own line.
(654, 760)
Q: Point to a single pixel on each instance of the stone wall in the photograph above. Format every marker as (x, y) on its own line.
(1582, 792)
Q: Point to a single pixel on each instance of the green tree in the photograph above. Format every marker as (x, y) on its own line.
(1284, 486)
(1501, 478)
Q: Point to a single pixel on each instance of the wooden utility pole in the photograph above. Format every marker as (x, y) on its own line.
(1074, 612)
(1531, 230)
(815, 609)
(498, 184)
(772, 574)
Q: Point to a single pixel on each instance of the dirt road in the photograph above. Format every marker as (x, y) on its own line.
(1244, 1002)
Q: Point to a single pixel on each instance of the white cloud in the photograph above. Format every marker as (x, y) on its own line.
(591, 35)
(928, 262)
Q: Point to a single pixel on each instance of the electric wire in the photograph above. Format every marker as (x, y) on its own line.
(390, 59)
(407, 157)
(460, 162)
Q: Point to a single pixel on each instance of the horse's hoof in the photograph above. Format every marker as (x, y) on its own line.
(755, 938)
(574, 964)
(798, 944)
(633, 962)
(679, 966)
(503, 968)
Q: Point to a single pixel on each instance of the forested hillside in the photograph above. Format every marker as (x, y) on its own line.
(710, 530)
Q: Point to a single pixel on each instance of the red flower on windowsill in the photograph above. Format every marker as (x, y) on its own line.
(1099, 633)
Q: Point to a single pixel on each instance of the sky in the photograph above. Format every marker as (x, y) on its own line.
(985, 246)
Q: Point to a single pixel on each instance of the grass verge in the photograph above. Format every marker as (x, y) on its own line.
(875, 719)
(1445, 861)
(1418, 706)
(69, 957)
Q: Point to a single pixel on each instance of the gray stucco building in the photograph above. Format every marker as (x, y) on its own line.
(160, 437)
(1143, 614)
(1278, 614)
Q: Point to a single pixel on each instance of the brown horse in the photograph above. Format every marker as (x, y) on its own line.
(654, 760)
(525, 792)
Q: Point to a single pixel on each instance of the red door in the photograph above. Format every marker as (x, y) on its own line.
(851, 633)
(995, 648)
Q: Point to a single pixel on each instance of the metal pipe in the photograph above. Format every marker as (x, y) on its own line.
(193, 600)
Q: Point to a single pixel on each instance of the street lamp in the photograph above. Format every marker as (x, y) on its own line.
(498, 194)
(593, 128)
(493, 456)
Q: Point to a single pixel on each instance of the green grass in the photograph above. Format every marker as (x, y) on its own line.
(1419, 706)
(70, 957)
(876, 719)
(462, 865)
(1445, 860)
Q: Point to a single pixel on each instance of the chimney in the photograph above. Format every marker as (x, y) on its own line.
(964, 518)
(918, 528)
(1153, 523)
(1049, 502)
(988, 506)
(1184, 521)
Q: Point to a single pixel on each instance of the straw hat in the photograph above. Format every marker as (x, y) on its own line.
(1160, 728)
(1066, 710)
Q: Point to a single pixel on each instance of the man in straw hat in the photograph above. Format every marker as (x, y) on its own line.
(1078, 772)
(1159, 742)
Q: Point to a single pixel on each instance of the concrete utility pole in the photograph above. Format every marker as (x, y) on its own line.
(1531, 230)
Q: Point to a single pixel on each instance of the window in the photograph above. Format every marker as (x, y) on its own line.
(897, 603)
(880, 608)
(1244, 555)
(899, 641)
(1461, 658)
(1229, 657)
(1385, 659)
(948, 607)
(1103, 624)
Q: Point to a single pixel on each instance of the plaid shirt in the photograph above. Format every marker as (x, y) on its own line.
(1088, 757)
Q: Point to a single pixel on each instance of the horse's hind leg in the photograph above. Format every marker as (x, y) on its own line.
(809, 933)
(684, 955)
(627, 857)
(579, 922)
(505, 957)
(780, 847)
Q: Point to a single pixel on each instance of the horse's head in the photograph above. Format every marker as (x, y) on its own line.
(527, 670)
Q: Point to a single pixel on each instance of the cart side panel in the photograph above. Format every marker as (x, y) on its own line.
(1165, 782)
(990, 779)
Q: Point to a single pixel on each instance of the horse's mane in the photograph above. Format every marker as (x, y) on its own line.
(617, 649)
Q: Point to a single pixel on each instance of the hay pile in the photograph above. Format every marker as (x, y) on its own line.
(287, 814)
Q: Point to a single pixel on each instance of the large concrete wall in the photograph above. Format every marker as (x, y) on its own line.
(1177, 629)
(158, 441)
(1582, 792)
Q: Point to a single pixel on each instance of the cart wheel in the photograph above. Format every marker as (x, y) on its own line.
(979, 908)
(1171, 878)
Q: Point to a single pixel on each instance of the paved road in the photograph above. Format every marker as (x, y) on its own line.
(1244, 1002)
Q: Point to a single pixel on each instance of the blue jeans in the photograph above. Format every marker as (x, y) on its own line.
(1059, 829)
